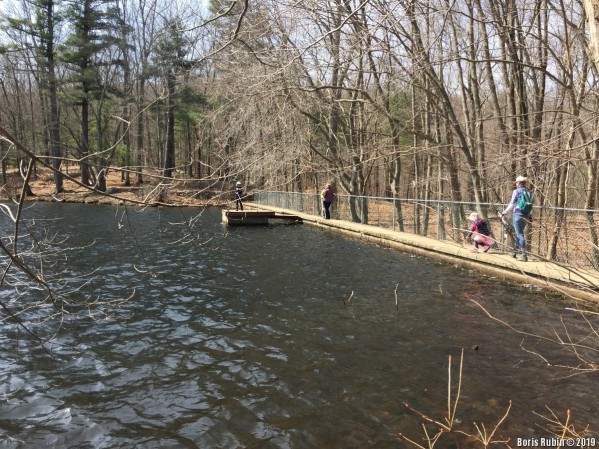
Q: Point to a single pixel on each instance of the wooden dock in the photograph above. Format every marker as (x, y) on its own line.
(256, 218)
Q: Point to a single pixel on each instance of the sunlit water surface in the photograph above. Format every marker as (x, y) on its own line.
(269, 337)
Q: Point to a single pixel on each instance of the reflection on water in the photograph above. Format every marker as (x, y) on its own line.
(247, 337)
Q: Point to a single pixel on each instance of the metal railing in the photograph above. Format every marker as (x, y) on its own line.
(563, 235)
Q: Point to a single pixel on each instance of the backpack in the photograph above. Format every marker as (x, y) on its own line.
(525, 202)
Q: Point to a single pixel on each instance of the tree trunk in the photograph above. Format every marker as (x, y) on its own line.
(591, 8)
(85, 139)
(53, 120)
(140, 130)
(169, 160)
(591, 198)
(128, 89)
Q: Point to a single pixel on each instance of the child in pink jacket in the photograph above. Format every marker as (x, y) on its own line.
(480, 234)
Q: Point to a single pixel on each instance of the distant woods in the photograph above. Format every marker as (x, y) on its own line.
(413, 99)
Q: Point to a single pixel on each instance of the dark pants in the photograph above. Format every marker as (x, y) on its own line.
(238, 204)
(326, 209)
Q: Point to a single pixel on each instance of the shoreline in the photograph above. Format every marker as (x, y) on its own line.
(149, 194)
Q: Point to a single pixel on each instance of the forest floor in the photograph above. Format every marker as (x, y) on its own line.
(154, 191)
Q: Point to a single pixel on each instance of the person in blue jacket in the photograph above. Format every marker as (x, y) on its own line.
(520, 206)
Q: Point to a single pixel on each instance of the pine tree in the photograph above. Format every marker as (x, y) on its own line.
(172, 51)
(38, 31)
(47, 22)
(91, 22)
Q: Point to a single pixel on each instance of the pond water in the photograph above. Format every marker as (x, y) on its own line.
(177, 331)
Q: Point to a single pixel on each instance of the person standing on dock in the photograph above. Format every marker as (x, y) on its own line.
(521, 207)
(238, 196)
(327, 199)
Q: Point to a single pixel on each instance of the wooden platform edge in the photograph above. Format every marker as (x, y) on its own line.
(256, 217)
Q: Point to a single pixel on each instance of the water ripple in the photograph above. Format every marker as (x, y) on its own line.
(255, 344)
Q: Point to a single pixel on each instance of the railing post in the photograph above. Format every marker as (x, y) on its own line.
(441, 221)
(394, 207)
(362, 209)
(502, 236)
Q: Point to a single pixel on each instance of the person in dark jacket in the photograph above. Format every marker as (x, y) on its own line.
(238, 196)
(327, 199)
(479, 233)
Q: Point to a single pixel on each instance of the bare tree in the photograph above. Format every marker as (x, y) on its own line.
(591, 8)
